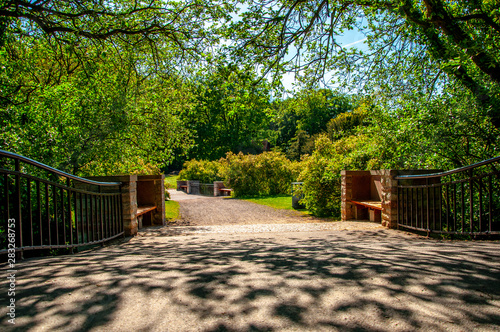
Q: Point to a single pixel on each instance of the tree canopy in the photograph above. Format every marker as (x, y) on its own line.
(98, 86)
(412, 44)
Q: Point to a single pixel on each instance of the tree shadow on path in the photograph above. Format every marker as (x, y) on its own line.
(347, 281)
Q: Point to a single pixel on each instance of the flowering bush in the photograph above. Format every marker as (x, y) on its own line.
(202, 170)
(269, 173)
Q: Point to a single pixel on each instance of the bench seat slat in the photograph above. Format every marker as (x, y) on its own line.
(144, 209)
(377, 205)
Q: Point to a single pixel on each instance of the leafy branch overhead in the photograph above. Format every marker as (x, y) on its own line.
(184, 23)
(410, 43)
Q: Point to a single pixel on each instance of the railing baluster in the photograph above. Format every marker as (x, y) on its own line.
(428, 207)
(56, 219)
(88, 218)
(407, 204)
(101, 213)
(92, 220)
(19, 221)
(463, 207)
(416, 207)
(480, 180)
(63, 216)
(30, 209)
(455, 207)
(440, 206)
(471, 202)
(70, 209)
(433, 207)
(490, 203)
(47, 211)
(411, 207)
(447, 207)
(7, 197)
(77, 231)
(39, 206)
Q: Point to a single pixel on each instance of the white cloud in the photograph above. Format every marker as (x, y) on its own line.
(354, 43)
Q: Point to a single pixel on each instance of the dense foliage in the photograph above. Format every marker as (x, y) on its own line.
(269, 173)
(205, 171)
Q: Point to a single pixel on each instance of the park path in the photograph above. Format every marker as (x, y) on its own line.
(332, 279)
(196, 210)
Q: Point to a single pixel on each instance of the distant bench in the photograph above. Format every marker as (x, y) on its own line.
(374, 209)
(225, 191)
(144, 215)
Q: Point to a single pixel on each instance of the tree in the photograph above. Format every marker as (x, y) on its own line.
(105, 114)
(414, 46)
(172, 33)
(231, 110)
(300, 118)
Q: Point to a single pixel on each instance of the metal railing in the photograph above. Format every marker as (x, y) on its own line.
(464, 201)
(44, 208)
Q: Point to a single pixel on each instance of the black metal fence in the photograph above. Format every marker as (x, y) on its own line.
(44, 208)
(462, 201)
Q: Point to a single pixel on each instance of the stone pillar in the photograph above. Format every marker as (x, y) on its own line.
(218, 185)
(193, 187)
(129, 204)
(389, 198)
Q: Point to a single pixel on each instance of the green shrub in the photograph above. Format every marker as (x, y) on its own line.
(321, 171)
(269, 173)
(202, 170)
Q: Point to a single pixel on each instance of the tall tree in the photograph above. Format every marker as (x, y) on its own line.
(414, 45)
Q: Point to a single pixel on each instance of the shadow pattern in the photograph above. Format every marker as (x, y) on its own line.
(348, 281)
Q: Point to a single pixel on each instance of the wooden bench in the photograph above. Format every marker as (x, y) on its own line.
(225, 191)
(144, 215)
(374, 209)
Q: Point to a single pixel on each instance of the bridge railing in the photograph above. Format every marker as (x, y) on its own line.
(465, 200)
(44, 208)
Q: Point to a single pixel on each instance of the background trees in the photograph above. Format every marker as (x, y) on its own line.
(231, 109)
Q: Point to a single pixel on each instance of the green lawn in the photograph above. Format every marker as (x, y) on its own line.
(277, 201)
(171, 181)
(171, 210)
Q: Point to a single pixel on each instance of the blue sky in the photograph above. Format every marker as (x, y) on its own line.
(351, 38)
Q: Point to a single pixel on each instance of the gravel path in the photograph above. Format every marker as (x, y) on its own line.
(208, 211)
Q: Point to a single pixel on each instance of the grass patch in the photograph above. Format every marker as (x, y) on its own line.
(283, 202)
(171, 181)
(171, 210)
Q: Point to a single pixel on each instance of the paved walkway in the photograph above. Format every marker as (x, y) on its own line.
(342, 278)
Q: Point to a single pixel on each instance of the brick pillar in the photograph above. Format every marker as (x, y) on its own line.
(129, 204)
(389, 198)
(218, 185)
(347, 209)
